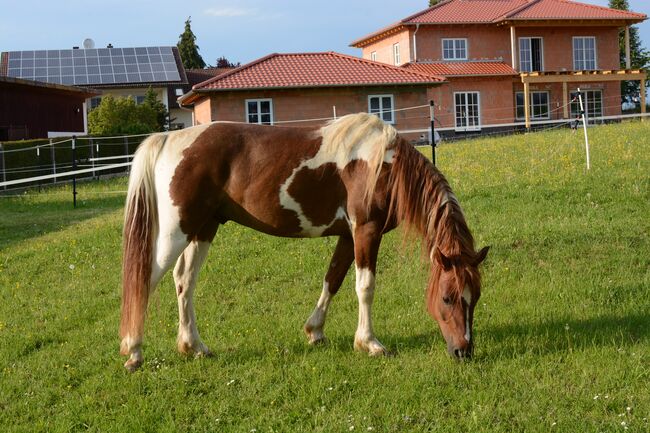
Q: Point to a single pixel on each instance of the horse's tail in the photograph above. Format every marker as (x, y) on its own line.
(140, 231)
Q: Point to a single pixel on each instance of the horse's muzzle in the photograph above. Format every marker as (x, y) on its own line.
(463, 353)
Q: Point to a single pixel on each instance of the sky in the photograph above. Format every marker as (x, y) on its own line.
(240, 30)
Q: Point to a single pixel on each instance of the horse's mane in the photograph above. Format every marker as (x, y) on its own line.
(421, 198)
(359, 136)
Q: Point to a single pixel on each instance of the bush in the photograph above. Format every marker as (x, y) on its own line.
(122, 116)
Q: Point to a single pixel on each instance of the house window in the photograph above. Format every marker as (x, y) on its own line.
(373, 56)
(531, 54)
(454, 49)
(396, 56)
(592, 101)
(539, 105)
(382, 106)
(178, 92)
(467, 107)
(259, 111)
(139, 99)
(584, 53)
(94, 102)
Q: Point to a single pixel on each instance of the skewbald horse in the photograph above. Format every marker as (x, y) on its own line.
(354, 178)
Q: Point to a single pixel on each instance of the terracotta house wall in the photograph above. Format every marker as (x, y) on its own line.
(558, 45)
(496, 99)
(203, 111)
(384, 48)
(483, 41)
(299, 104)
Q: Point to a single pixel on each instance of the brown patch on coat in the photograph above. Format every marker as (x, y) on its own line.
(320, 193)
(233, 172)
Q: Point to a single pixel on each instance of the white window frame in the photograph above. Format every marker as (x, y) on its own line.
(476, 127)
(583, 59)
(373, 56)
(588, 103)
(532, 111)
(259, 111)
(396, 54)
(381, 107)
(530, 51)
(455, 48)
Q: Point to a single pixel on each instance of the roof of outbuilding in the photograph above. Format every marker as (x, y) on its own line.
(499, 11)
(462, 69)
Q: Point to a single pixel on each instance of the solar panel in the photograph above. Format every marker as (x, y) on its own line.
(95, 66)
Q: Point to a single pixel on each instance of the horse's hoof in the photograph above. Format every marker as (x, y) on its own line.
(317, 341)
(372, 347)
(132, 365)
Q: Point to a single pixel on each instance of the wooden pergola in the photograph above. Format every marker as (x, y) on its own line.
(566, 77)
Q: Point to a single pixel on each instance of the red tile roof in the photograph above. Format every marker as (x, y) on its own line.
(302, 70)
(462, 69)
(564, 9)
(465, 11)
(499, 11)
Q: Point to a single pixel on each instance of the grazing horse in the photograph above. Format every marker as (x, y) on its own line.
(354, 178)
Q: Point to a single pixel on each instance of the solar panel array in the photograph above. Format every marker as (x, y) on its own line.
(95, 66)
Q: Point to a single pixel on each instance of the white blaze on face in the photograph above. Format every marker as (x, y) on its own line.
(467, 296)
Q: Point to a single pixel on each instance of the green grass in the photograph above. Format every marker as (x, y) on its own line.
(562, 328)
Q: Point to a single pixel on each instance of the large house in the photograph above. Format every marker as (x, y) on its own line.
(511, 62)
(308, 88)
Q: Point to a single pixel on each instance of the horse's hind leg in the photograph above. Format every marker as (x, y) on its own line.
(185, 276)
(169, 244)
(339, 265)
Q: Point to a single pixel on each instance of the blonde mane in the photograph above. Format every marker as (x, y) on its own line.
(359, 136)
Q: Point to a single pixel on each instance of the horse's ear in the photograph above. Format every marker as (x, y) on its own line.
(442, 260)
(481, 255)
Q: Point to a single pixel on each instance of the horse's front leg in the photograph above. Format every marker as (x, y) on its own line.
(367, 238)
(338, 268)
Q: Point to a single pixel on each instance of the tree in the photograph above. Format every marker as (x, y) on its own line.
(162, 115)
(433, 2)
(188, 49)
(122, 116)
(639, 56)
(222, 62)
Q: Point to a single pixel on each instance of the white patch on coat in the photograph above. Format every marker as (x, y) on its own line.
(467, 296)
(325, 156)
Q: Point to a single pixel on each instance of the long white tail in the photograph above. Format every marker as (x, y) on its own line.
(140, 232)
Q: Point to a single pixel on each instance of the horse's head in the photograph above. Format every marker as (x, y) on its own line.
(455, 288)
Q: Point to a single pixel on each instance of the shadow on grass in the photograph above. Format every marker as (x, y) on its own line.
(513, 340)
(23, 219)
(565, 335)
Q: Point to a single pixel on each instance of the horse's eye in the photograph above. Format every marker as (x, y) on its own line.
(447, 300)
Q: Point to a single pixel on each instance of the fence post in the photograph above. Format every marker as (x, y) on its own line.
(584, 124)
(2, 165)
(432, 108)
(74, 168)
(126, 151)
(53, 153)
(40, 165)
(92, 156)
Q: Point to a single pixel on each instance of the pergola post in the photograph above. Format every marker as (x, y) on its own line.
(628, 59)
(565, 99)
(642, 89)
(513, 46)
(527, 103)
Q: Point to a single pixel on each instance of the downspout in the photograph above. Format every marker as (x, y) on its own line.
(415, 44)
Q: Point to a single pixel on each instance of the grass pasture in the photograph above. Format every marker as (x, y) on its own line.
(562, 329)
